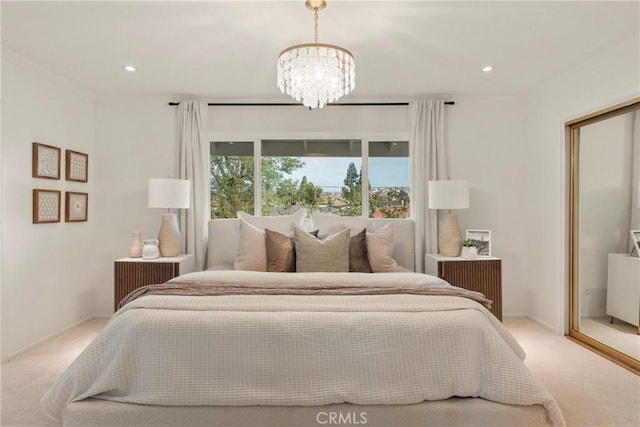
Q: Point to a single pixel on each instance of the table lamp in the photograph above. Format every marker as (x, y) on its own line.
(169, 194)
(449, 195)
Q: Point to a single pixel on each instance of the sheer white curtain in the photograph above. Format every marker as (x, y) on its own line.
(635, 177)
(428, 162)
(194, 166)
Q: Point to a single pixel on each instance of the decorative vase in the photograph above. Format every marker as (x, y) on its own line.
(469, 252)
(135, 250)
(150, 249)
(169, 235)
(449, 238)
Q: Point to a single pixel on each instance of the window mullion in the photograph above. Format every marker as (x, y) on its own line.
(364, 147)
(257, 177)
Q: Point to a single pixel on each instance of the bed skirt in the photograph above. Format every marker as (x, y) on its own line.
(451, 412)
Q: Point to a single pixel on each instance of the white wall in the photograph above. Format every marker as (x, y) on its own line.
(487, 149)
(47, 278)
(605, 170)
(606, 79)
(136, 140)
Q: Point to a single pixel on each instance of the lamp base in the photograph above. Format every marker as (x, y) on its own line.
(169, 235)
(449, 239)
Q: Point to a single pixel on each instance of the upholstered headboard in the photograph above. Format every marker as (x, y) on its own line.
(223, 241)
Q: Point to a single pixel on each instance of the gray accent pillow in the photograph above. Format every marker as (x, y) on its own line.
(358, 258)
(330, 254)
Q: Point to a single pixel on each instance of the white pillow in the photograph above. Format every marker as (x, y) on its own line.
(325, 221)
(281, 224)
(252, 248)
(380, 250)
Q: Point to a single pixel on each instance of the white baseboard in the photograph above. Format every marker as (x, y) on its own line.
(543, 324)
(54, 335)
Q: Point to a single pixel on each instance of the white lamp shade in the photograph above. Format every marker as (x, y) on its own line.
(169, 193)
(448, 195)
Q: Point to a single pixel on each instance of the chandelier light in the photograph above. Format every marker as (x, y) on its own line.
(316, 73)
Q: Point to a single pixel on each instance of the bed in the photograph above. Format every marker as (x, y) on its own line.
(251, 348)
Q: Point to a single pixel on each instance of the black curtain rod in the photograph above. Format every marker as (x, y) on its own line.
(276, 104)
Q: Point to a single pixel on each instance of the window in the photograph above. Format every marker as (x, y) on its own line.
(231, 178)
(327, 175)
(319, 175)
(389, 179)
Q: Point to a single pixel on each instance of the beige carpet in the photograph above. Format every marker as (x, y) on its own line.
(590, 390)
(619, 335)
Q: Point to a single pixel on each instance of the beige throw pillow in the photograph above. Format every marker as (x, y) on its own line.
(380, 250)
(330, 254)
(252, 250)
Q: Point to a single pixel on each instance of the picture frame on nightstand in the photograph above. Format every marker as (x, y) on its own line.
(635, 239)
(482, 239)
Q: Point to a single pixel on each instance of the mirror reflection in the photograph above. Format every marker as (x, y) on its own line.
(608, 216)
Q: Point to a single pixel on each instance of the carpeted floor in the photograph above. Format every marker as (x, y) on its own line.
(590, 390)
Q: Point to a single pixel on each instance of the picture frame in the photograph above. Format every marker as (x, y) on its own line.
(76, 166)
(45, 161)
(635, 239)
(76, 206)
(46, 206)
(482, 239)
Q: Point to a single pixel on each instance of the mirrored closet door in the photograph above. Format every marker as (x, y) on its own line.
(604, 210)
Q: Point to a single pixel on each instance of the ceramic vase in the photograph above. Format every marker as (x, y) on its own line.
(150, 249)
(135, 250)
(169, 235)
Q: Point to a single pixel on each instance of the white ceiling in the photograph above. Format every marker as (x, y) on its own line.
(228, 49)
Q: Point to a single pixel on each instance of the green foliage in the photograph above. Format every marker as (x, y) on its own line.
(470, 243)
(231, 185)
(309, 196)
(352, 192)
(278, 192)
(232, 189)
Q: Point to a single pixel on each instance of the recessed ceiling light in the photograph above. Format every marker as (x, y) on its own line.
(129, 68)
(487, 68)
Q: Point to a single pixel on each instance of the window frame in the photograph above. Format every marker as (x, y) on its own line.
(363, 137)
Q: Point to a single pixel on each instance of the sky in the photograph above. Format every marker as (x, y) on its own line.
(329, 172)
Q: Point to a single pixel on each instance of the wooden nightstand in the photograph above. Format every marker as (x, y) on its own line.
(133, 273)
(482, 275)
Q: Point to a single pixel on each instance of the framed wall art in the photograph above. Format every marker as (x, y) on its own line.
(482, 239)
(45, 161)
(46, 206)
(76, 205)
(77, 165)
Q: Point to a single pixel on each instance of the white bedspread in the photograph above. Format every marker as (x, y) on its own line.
(238, 350)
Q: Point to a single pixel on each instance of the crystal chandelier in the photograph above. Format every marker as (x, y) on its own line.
(316, 73)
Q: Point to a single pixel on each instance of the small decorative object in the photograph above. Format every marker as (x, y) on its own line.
(635, 240)
(150, 249)
(45, 161)
(469, 249)
(77, 165)
(449, 195)
(75, 207)
(482, 238)
(46, 206)
(135, 250)
(170, 194)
